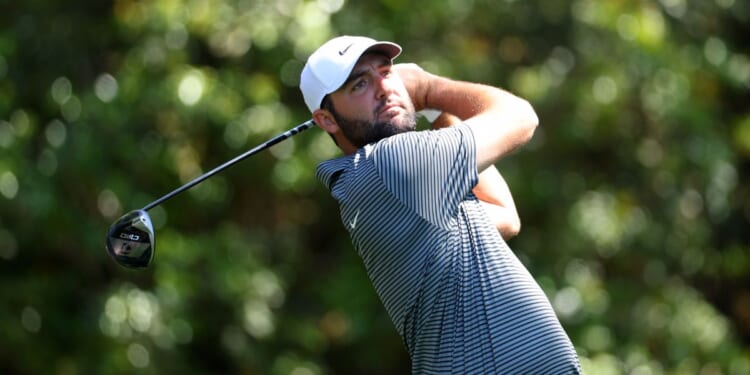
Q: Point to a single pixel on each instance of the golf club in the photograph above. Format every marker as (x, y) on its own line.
(130, 240)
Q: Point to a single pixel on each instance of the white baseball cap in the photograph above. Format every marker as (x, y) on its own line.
(330, 65)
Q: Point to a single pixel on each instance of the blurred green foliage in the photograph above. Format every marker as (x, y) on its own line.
(634, 193)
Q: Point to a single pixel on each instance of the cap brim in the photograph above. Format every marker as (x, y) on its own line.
(392, 50)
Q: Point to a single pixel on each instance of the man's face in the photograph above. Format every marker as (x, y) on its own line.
(373, 103)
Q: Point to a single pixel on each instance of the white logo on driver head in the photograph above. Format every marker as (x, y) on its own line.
(129, 236)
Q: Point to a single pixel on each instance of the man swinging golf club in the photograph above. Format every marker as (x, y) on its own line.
(428, 213)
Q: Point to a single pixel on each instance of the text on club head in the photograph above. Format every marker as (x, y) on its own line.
(130, 236)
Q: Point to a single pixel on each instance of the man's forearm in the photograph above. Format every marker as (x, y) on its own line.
(493, 191)
(461, 99)
(500, 120)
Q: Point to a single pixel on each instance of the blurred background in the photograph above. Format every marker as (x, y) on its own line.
(634, 193)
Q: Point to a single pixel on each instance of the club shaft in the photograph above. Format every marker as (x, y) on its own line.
(297, 129)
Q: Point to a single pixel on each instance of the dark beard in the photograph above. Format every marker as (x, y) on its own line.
(362, 132)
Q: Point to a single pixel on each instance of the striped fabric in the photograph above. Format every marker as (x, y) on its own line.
(458, 296)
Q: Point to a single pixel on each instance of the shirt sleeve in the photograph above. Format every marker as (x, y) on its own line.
(429, 171)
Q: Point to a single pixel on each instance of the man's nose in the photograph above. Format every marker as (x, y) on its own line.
(383, 86)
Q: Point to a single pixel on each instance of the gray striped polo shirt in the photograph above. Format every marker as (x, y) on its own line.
(460, 299)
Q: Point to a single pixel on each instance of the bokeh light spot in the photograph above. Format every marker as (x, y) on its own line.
(290, 72)
(108, 204)
(106, 88)
(56, 133)
(71, 109)
(141, 310)
(21, 123)
(628, 26)
(691, 204)
(512, 49)
(258, 319)
(715, 50)
(177, 37)
(322, 147)
(335, 325)
(191, 87)
(183, 331)
(605, 90)
(567, 302)
(739, 69)
(283, 150)
(234, 339)
(138, 355)
(675, 8)
(597, 338)
(726, 4)
(47, 163)
(650, 153)
(31, 319)
(62, 90)
(6, 134)
(8, 245)
(331, 6)
(116, 309)
(286, 175)
(266, 285)
(8, 185)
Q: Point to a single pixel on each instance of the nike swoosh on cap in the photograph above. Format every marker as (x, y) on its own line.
(343, 51)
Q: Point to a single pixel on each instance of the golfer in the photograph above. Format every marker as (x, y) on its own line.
(429, 233)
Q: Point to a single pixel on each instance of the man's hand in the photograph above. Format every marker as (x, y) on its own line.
(416, 81)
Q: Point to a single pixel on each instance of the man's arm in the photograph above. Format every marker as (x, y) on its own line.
(491, 190)
(500, 121)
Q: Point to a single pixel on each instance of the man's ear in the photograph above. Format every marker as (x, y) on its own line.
(324, 119)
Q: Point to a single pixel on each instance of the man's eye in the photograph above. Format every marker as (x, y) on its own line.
(359, 84)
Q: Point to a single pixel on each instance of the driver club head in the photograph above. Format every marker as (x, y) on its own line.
(130, 240)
